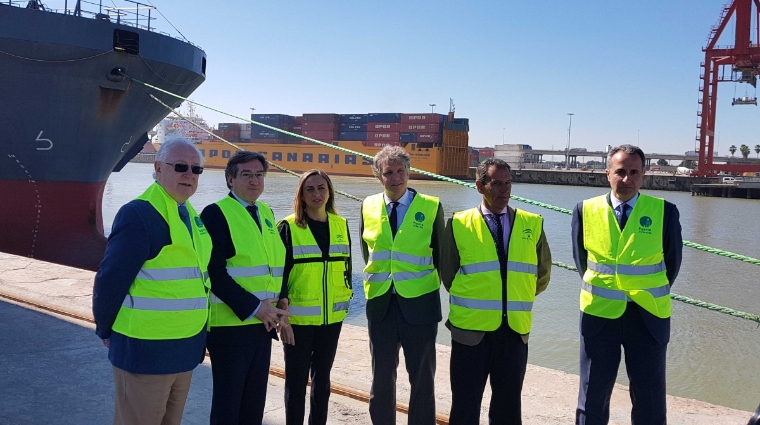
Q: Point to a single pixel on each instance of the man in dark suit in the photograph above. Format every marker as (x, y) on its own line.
(627, 247)
(245, 269)
(150, 299)
(401, 232)
(495, 261)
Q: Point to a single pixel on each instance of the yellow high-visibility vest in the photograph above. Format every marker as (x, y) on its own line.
(627, 265)
(169, 297)
(477, 292)
(259, 259)
(319, 291)
(407, 259)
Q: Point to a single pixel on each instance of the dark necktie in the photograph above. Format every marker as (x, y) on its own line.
(623, 215)
(393, 218)
(185, 217)
(498, 240)
(253, 210)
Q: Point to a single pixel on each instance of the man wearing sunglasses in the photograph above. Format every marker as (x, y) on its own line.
(246, 270)
(150, 299)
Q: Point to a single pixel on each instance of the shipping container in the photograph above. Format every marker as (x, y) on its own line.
(229, 126)
(353, 118)
(422, 118)
(255, 128)
(272, 118)
(298, 120)
(245, 126)
(456, 126)
(266, 134)
(296, 129)
(321, 118)
(429, 137)
(348, 126)
(383, 117)
(383, 126)
(421, 128)
(390, 136)
(320, 135)
(407, 137)
(381, 144)
(245, 134)
(352, 135)
(319, 126)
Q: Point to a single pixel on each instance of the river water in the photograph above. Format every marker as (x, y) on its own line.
(712, 356)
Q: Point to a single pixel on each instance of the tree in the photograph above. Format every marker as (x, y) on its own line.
(664, 162)
(757, 150)
(732, 149)
(744, 149)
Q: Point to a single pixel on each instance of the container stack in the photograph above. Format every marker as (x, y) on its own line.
(353, 127)
(229, 131)
(323, 127)
(261, 134)
(426, 129)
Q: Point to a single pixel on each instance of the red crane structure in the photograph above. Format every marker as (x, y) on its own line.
(737, 63)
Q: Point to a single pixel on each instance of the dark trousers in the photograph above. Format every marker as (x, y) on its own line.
(312, 356)
(503, 355)
(644, 362)
(240, 372)
(385, 339)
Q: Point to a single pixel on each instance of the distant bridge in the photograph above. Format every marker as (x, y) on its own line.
(650, 156)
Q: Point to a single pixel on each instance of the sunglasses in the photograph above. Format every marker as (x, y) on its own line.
(182, 168)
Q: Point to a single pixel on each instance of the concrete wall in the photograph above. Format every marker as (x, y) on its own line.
(599, 179)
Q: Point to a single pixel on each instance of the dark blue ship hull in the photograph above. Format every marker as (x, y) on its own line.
(65, 125)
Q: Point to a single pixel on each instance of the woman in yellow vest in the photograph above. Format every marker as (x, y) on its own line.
(318, 277)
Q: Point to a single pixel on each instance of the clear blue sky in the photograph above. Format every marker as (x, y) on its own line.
(629, 71)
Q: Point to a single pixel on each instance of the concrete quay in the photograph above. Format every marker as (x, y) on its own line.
(55, 370)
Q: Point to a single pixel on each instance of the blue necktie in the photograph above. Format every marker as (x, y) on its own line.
(623, 215)
(185, 217)
(253, 210)
(498, 239)
(393, 218)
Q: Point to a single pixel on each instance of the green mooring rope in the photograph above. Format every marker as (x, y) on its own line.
(682, 298)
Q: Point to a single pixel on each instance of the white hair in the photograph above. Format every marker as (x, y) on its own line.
(169, 145)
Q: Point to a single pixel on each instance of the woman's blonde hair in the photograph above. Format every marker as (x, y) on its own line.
(299, 205)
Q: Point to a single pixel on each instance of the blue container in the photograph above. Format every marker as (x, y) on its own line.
(353, 118)
(384, 117)
(266, 134)
(256, 128)
(456, 126)
(353, 127)
(271, 119)
(408, 137)
(352, 135)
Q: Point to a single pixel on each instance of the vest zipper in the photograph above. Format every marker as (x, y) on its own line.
(324, 291)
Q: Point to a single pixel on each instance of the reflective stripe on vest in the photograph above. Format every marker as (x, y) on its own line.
(240, 272)
(258, 263)
(400, 256)
(630, 270)
(396, 277)
(407, 258)
(317, 288)
(176, 273)
(489, 266)
(161, 304)
(477, 292)
(617, 295)
(624, 265)
(168, 297)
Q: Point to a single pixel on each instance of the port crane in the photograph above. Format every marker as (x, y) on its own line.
(739, 63)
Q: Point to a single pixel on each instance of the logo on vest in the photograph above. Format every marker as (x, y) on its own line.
(418, 219)
(339, 238)
(527, 235)
(645, 222)
(268, 223)
(199, 224)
